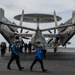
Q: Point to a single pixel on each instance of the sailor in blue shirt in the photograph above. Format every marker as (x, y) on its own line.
(38, 57)
(15, 55)
(15, 49)
(39, 54)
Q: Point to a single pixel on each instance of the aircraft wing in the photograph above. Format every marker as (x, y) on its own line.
(24, 34)
(50, 35)
(62, 26)
(13, 25)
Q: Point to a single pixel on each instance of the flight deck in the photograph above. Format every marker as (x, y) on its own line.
(60, 63)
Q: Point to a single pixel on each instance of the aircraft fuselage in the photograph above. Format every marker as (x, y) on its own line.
(38, 37)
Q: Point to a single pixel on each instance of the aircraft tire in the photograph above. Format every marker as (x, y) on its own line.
(55, 49)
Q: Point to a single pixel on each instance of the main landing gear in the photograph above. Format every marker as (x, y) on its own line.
(55, 49)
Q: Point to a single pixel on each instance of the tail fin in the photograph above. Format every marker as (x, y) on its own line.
(55, 19)
(21, 20)
(73, 17)
(1, 14)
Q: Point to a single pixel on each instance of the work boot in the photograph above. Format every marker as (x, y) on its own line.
(8, 68)
(44, 70)
(21, 68)
(31, 69)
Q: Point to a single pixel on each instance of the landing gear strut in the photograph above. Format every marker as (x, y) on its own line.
(55, 49)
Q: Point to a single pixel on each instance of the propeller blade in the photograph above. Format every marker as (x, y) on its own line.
(25, 37)
(49, 31)
(26, 31)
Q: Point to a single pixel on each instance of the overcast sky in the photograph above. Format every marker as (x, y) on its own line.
(63, 9)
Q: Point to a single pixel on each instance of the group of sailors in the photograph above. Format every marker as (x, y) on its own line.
(17, 47)
(27, 47)
(15, 55)
(24, 45)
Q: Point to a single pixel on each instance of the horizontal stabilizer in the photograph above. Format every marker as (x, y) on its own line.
(73, 17)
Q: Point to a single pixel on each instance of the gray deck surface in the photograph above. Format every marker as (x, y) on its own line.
(60, 63)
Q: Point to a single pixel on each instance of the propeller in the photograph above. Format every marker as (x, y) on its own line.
(55, 20)
(49, 31)
(26, 31)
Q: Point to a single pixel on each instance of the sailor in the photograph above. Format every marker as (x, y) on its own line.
(38, 57)
(15, 55)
